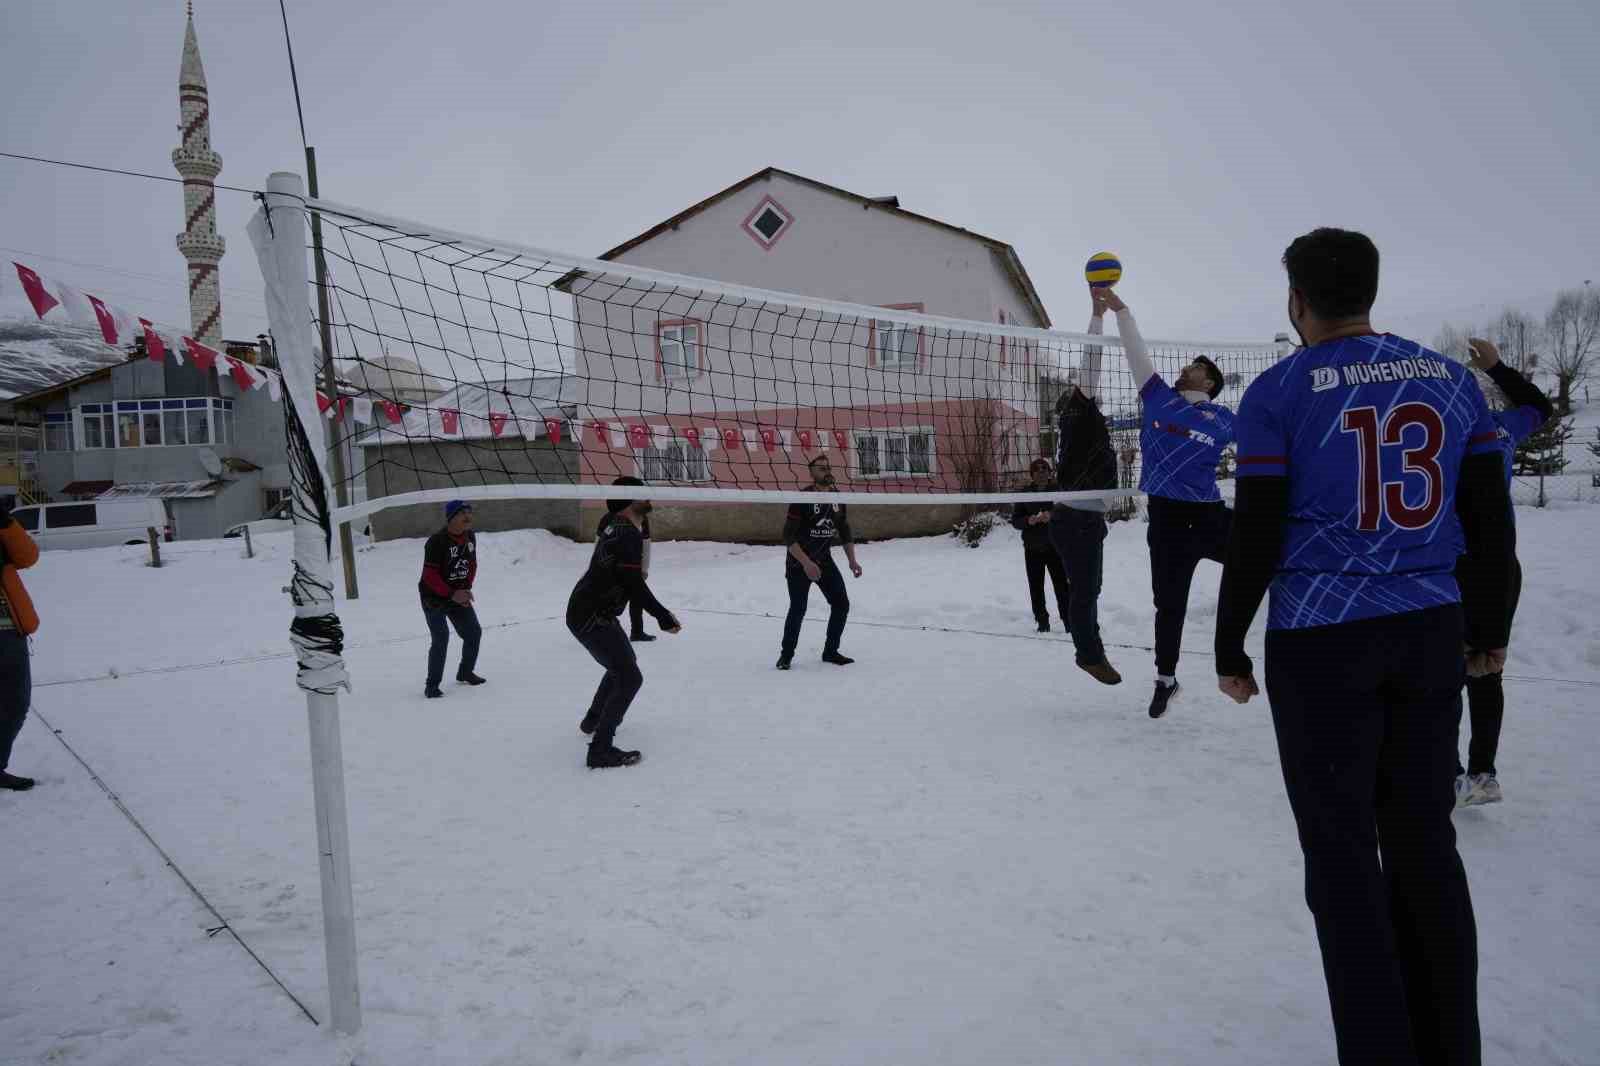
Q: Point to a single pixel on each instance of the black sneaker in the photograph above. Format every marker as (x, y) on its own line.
(785, 661)
(15, 783)
(836, 659)
(469, 678)
(1163, 696)
(1044, 627)
(641, 638)
(433, 692)
(607, 757)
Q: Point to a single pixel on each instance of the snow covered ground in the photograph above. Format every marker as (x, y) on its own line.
(959, 850)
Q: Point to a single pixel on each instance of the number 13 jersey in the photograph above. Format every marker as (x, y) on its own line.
(1371, 432)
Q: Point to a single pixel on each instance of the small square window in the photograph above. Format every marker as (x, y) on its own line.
(768, 222)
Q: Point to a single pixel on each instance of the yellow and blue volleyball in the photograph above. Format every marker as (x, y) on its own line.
(1102, 270)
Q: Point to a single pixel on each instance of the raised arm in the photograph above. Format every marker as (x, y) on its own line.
(1133, 346)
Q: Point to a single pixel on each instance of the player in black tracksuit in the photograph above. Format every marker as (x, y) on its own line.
(1038, 554)
(449, 565)
(808, 534)
(615, 576)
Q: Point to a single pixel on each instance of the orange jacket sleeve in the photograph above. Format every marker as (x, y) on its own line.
(20, 552)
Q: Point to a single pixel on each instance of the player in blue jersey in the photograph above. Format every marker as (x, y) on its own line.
(1526, 408)
(1182, 436)
(1367, 463)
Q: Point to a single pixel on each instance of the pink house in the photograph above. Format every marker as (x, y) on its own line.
(684, 386)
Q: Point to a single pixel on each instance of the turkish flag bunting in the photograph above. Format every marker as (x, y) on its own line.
(103, 315)
(204, 358)
(450, 419)
(497, 422)
(639, 435)
(841, 440)
(805, 439)
(241, 375)
(152, 341)
(730, 438)
(692, 435)
(323, 403)
(599, 429)
(769, 439)
(41, 300)
(552, 429)
(392, 411)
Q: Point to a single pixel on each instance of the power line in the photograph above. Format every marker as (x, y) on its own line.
(294, 78)
(245, 293)
(114, 170)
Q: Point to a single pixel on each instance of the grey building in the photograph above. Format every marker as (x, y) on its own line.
(212, 451)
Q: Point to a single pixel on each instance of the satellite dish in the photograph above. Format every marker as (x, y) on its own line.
(209, 460)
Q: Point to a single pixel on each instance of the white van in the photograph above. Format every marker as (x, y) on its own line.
(95, 524)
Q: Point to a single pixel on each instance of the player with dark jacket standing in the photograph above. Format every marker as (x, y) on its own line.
(1032, 520)
(615, 576)
(1528, 408)
(1366, 464)
(1182, 435)
(449, 565)
(808, 534)
(1078, 528)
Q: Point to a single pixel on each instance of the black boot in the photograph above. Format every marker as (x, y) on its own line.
(605, 756)
(836, 659)
(433, 692)
(15, 783)
(785, 660)
(641, 637)
(469, 678)
(1044, 625)
(1163, 696)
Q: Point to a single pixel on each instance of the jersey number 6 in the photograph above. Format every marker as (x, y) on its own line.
(1379, 498)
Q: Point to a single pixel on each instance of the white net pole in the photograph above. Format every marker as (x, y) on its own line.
(278, 232)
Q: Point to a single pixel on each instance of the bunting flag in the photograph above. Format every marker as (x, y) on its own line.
(497, 422)
(205, 358)
(842, 441)
(769, 440)
(708, 438)
(639, 435)
(449, 420)
(552, 429)
(598, 428)
(104, 319)
(152, 341)
(619, 439)
(33, 286)
(805, 439)
(275, 387)
(692, 435)
(730, 439)
(240, 373)
(324, 405)
(392, 411)
(361, 410)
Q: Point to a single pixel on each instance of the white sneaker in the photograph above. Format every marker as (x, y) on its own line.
(1463, 790)
(1483, 788)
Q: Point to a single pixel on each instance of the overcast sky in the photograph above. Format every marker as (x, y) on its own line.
(1193, 139)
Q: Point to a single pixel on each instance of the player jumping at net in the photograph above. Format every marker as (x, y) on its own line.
(1182, 434)
(1366, 464)
(808, 534)
(449, 566)
(1527, 409)
(615, 576)
(1078, 527)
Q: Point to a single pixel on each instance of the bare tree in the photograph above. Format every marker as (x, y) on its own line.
(1451, 340)
(1517, 334)
(1573, 328)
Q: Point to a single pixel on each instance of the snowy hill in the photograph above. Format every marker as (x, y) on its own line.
(35, 355)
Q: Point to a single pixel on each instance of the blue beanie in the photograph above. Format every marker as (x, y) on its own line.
(455, 507)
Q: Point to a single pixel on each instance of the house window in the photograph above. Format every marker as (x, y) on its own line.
(174, 427)
(194, 413)
(150, 417)
(676, 460)
(58, 432)
(767, 224)
(897, 346)
(680, 347)
(99, 425)
(221, 421)
(127, 424)
(894, 452)
(275, 498)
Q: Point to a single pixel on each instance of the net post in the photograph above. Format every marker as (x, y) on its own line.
(278, 232)
(336, 453)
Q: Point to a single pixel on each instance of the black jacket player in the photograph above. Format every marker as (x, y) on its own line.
(1366, 464)
(809, 530)
(1032, 520)
(615, 576)
(449, 566)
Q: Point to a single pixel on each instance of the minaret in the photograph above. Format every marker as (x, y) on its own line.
(199, 165)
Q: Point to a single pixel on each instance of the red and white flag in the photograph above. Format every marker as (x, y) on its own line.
(497, 422)
(33, 286)
(639, 435)
(450, 420)
(769, 439)
(153, 346)
(730, 439)
(842, 441)
(104, 319)
(392, 411)
(205, 358)
(552, 429)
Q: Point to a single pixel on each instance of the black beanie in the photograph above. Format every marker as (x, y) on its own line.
(613, 506)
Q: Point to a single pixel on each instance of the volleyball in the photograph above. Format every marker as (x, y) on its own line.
(1102, 270)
